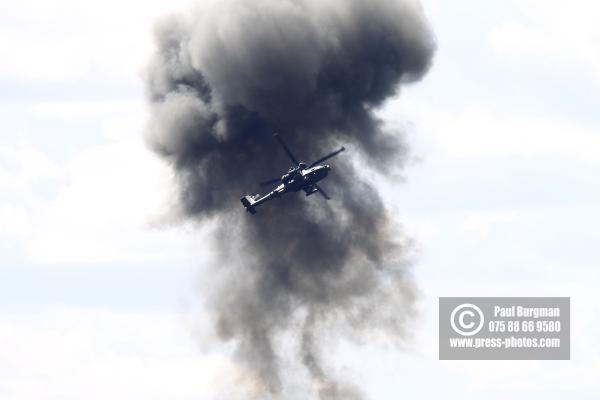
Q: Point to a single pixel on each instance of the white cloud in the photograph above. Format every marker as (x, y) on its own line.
(63, 41)
(99, 205)
(483, 222)
(22, 167)
(554, 35)
(104, 209)
(22, 164)
(481, 133)
(122, 110)
(15, 221)
(96, 206)
(76, 353)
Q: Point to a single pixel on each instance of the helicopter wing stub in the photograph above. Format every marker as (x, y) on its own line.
(321, 191)
(327, 157)
(287, 149)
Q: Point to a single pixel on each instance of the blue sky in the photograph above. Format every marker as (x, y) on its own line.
(99, 292)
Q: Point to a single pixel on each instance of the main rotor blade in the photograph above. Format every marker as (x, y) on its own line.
(327, 157)
(287, 150)
(270, 182)
(321, 191)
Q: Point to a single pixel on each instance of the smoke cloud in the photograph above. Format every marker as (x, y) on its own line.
(222, 81)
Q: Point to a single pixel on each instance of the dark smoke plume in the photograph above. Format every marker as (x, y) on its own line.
(222, 81)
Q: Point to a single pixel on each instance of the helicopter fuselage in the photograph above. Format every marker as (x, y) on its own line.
(299, 179)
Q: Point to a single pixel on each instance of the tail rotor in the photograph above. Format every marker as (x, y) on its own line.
(248, 202)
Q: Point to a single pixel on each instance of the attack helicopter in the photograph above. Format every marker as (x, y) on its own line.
(300, 176)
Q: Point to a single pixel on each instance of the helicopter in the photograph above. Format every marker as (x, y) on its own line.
(300, 176)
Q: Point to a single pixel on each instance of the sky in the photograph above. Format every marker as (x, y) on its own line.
(99, 290)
